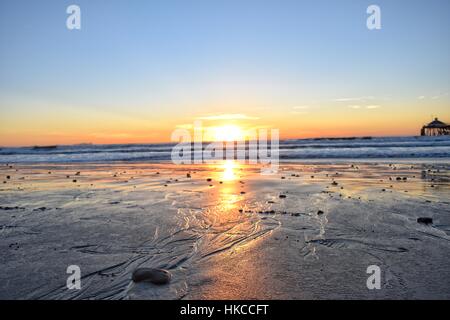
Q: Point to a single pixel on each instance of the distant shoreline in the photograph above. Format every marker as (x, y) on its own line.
(52, 146)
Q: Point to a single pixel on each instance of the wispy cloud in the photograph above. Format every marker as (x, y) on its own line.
(364, 107)
(234, 116)
(438, 96)
(421, 97)
(354, 99)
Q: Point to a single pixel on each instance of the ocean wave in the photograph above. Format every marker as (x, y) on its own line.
(336, 148)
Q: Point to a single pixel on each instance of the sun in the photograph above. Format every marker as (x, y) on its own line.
(228, 133)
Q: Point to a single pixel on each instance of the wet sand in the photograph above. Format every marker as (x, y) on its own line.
(225, 231)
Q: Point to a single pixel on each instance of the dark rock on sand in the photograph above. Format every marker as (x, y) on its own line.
(12, 208)
(425, 220)
(320, 212)
(155, 276)
(282, 196)
(267, 212)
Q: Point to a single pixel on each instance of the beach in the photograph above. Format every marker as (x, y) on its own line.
(225, 231)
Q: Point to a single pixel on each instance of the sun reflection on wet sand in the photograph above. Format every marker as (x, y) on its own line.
(229, 170)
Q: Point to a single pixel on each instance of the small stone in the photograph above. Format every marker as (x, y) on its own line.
(282, 196)
(188, 175)
(209, 180)
(155, 276)
(425, 220)
(320, 212)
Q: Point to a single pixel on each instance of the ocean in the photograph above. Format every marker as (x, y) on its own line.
(289, 150)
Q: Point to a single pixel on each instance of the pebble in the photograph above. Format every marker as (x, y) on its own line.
(155, 276)
(425, 220)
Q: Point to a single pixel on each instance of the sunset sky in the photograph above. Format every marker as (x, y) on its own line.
(137, 70)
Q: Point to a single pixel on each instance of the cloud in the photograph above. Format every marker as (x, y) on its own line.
(441, 95)
(235, 116)
(365, 107)
(355, 99)
(421, 97)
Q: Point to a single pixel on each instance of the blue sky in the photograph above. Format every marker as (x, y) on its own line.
(156, 59)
